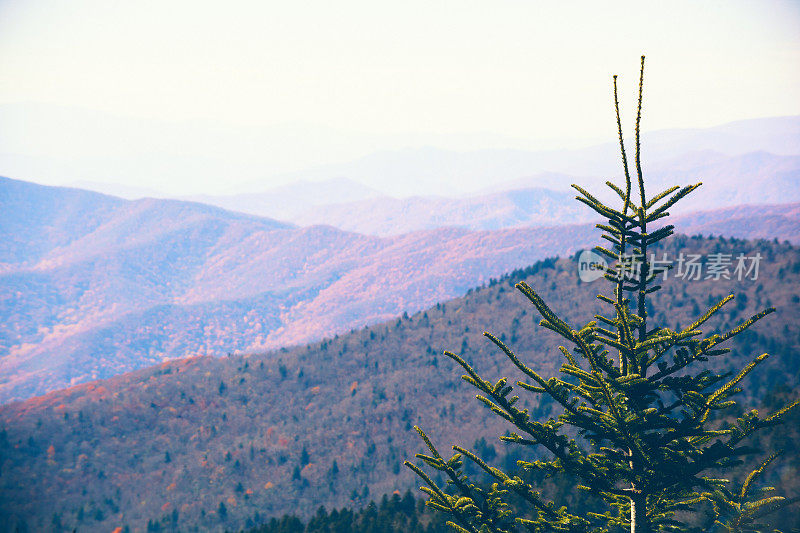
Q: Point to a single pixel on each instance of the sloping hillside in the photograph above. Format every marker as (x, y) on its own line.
(92, 286)
(108, 285)
(290, 430)
(51, 226)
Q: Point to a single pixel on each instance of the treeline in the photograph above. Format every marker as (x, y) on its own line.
(393, 514)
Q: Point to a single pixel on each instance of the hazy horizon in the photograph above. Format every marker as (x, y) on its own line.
(189, 98)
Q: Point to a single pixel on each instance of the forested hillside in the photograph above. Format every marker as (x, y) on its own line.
(207, 443)
(93, 286)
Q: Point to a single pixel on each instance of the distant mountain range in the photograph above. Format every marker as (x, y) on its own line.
(289, 202)
(53, 144)
(508, 209)
(432, 171)
(331, 423)
(391, 192)
(543, 200)
(539, 200)
(778, 222)
(91, 285)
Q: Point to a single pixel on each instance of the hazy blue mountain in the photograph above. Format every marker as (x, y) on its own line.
(295, 200)
(430, 170)
(544, 199)
(58, 144)
(128, 192)
(507, 209)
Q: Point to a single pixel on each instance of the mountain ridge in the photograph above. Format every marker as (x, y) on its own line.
(756, 177)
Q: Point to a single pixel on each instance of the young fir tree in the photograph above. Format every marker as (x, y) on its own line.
(633, 394)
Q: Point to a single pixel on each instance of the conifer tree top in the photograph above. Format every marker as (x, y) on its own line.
(637, 395)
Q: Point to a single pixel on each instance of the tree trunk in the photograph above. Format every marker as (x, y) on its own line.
(639, 521)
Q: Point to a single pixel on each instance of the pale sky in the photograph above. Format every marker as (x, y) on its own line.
(329, 81)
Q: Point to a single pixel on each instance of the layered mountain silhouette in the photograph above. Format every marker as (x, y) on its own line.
(542, 199)
(434, 171)
(57, 144)
(298, 199)
(93, 286)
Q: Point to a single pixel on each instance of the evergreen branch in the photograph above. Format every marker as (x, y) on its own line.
(627, 197)
(606, 333)
(705, 346)
(600, 207)
(544, 310)
(606, 252)
(546, 437)
(669, 339)
(477, 379)
(776, 417)
(760, 508)
(610, 229)
(638, 144)
(617, 190)
(519, 364)
(495, 408)
(607, 300)
(611, 239)
(661, 195)
(472, 504)
(568, 356)
(533, 375)
(530, 495)
(428, 443)
(746, 370)
(659, 216)
(744, 325)
(421, 473)
(457, 528)
(659, 234)
(578, 373)
(662, 210)
(755, 474)
(507, 411)
(708, 314)
(531, 388)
